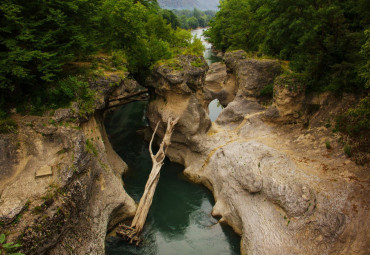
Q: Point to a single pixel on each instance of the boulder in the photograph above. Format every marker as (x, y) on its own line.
(252, 75)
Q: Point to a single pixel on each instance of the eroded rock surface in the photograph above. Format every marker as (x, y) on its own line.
(69, 208)
(281, 190)
(220, 84)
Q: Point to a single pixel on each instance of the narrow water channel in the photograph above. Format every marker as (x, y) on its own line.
(179, 221)
(215, 108)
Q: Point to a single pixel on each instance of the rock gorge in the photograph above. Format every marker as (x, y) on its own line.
(274, 182)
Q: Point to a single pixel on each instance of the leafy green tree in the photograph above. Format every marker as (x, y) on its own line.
(40, 40)
(193, 22)
(324, 40)
(38, 37)
(171, 18)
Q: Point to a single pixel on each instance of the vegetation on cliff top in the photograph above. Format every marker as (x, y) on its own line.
(43, 43)
(326, 41)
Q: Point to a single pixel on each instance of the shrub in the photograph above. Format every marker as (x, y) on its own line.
(267, 91)
(355, 121)
(348, 150)
(8, 126)
(328, 145)
(197, 63)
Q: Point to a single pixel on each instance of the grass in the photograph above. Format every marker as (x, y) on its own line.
(172, 63)
(197, 63)
(267, 91)
(328, 145)
(90, 148)
(8, 125)
(348, 150)
(8, 248)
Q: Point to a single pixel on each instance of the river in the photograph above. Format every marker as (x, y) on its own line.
(215, 108)
(179, 221)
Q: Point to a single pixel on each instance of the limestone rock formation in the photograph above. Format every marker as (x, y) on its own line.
(252, 75)
(275, 185)
(180, 93)
(60, 185)
(219, 84)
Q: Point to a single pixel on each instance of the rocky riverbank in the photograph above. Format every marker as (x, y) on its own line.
(273, 179)
(61, 185)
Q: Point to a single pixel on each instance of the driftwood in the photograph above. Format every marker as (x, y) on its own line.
(133, 232)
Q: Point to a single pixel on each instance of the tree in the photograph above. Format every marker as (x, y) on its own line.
(192, 22)
(321, 39)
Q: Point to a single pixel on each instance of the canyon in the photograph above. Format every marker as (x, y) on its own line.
(274, 181)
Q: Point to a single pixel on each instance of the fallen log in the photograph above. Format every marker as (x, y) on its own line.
(132, 233)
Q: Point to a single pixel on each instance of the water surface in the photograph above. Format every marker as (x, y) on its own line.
(179, 221)
(208, 54)
(214, 107)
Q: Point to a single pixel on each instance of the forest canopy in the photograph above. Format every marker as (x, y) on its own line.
(326, 41)
(38, 39)
(191, 19)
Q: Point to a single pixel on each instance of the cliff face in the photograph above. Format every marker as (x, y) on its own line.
(61, 186)
(275, 184)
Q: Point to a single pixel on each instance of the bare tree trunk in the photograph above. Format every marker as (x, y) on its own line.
(132, 233)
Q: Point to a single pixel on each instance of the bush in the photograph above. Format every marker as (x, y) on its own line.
(356, 121)
(267, 91)
(328, 42)
(348, 150)
(327, 145)
(8, 126)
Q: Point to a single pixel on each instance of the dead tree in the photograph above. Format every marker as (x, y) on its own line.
(132, 233)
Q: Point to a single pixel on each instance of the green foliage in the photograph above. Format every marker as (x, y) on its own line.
(267, 91)
(172, 63)
(347, 150)
(197, 63)
(196, 47)
(171, 18)
(90, 148)
(190, 19)
(356, 121)
(38, 37)
(8, 125)
(8, 248)
(327, 145)
(325, 41)
(42, 41)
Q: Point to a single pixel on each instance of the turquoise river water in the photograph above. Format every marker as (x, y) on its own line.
(180, 220)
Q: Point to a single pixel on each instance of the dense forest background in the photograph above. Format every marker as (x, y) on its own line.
(191, 19)
(326, 45)
(43, 43)
(327, 42)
